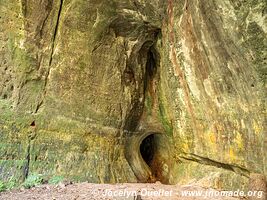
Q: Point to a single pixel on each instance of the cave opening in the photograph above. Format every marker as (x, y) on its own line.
(147, 149)
(148, 155)
(153, 150)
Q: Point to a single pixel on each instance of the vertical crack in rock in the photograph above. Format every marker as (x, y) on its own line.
(140, 67)
(31, 137)
(151, 69)
(55, 32)
(27, 164)
(51, 55)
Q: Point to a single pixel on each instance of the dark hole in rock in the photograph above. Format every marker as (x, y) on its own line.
(148, 58)
(151, 66)
(155, 153)
(149, 157)
(33, 124)
(151, 63)
(147, 149)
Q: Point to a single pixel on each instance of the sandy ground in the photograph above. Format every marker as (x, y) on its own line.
(126, 191)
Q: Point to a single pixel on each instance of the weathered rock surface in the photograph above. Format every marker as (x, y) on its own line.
(85, 82)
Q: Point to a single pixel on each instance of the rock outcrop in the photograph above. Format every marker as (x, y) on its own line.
(134, 90)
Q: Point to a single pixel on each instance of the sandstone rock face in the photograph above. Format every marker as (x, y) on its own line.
(134, 90)
(257, 182)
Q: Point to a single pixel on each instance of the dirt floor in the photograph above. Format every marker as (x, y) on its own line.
(127, 191)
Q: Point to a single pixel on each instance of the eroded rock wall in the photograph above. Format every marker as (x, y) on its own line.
(218, 79)
(82, 82)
